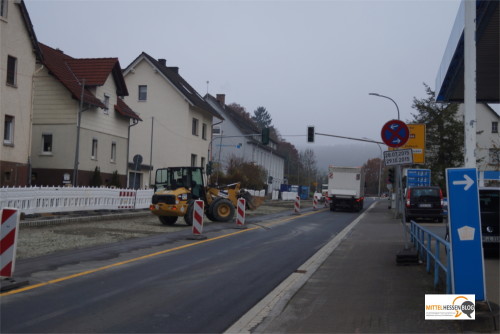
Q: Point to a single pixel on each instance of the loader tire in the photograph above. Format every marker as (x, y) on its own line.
(168, 220)
(222, 210)
(188, 217)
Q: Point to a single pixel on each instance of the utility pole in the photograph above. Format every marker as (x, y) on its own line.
(77, 149)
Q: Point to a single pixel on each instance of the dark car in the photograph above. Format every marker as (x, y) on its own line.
(489, 204)
(424, 203)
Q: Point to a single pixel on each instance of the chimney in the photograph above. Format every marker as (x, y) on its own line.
(174, 69)
(222, 99)
(162, 61)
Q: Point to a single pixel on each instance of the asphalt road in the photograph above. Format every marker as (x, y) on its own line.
(171, 285)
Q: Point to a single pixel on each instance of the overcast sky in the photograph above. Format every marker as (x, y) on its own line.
(307, 62)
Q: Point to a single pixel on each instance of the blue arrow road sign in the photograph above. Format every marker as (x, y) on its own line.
(467, 265)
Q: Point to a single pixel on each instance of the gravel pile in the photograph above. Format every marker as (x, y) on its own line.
(40, 240)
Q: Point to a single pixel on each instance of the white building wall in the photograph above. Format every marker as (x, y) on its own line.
(167, 123)
(225, 148)
(16, 100)
(485, 139)
(56, 113)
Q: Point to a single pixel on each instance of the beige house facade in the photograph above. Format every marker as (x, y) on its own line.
(18, 56)
(177, 122)
(80, 121)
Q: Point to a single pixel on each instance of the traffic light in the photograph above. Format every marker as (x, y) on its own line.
(265, 136)
(310, 134)
(209, 168)
(391, 175)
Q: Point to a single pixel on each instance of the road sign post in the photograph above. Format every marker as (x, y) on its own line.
(467, 264)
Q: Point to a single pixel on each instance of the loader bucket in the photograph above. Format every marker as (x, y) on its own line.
(252, 202)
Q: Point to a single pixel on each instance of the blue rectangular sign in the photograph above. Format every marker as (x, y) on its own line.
(418, 177)
(467, 264)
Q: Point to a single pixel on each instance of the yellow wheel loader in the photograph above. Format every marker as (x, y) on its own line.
(176, 189)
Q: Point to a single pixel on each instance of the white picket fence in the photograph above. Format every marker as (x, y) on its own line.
(31, 200)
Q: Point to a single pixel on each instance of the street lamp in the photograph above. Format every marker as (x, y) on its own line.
(387, 97)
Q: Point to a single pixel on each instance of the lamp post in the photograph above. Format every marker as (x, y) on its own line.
(387, 97)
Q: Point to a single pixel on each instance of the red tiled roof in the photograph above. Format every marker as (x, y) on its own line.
(95, 71)
(123, 109)
(73, 72)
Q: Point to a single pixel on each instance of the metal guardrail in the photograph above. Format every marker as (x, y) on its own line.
(429, 246)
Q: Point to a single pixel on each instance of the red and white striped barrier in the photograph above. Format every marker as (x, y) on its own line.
(296, 207)
(326, 202)
(127, 199)
(198, 217)
(240, 213)
(315, 203)
(8, 240)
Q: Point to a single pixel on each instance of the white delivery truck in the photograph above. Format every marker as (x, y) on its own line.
(346, 188)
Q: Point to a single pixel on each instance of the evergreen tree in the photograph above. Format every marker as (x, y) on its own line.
(96, 179)
(262, 117)
(444, 135)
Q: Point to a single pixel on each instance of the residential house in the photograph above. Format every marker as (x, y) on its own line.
(177, 125)
(239, 136)
(487, 137)
(80, 121)
(19, 53)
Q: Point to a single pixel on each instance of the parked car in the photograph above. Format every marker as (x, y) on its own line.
(489, 205)
(445, 207)
(424, 203)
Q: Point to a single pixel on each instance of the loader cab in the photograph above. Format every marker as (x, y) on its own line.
(173, 178)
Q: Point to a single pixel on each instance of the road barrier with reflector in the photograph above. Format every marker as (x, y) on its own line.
(8, 241)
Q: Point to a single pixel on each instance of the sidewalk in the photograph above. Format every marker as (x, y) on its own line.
(360, 288)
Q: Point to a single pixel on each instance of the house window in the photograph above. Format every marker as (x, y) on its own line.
(8, 130)
(11, 70)
(202, 162)
(3, 8)
(94, 149)
(113, 152)
(494, 127)
(106, 104)
(494, 156)
(204, 131)
(195, 127)
(47, 143)
(194, 157)
(143, 92)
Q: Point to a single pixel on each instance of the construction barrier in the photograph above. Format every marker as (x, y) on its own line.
(296, 207)
(240, 213)
(127, 199)
(8, 240)
(198, 209)
(315, 203)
